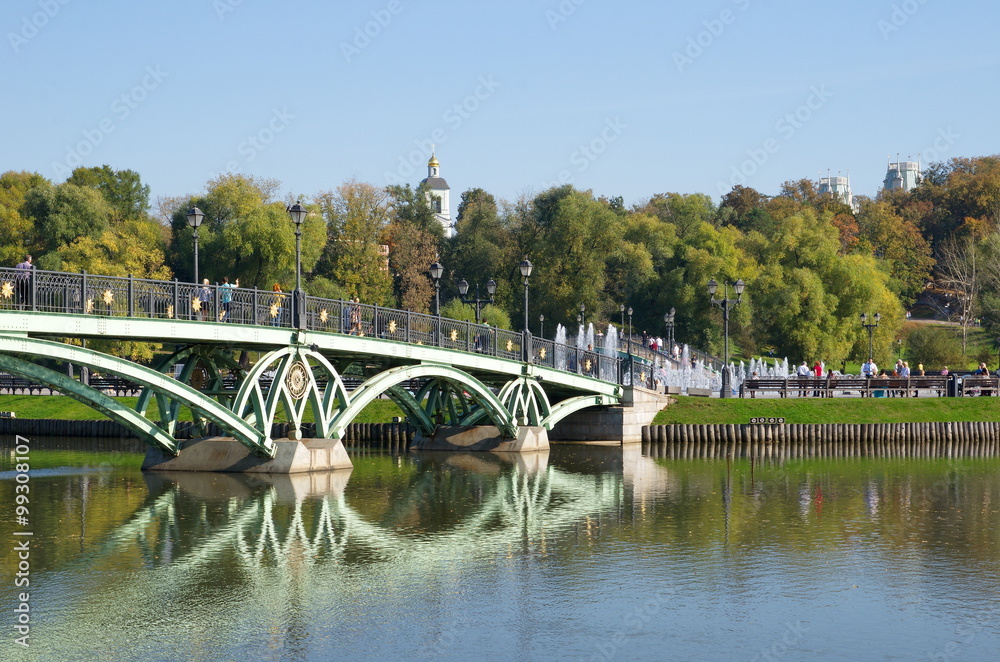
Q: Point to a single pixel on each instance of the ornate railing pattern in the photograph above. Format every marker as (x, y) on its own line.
(116, 296)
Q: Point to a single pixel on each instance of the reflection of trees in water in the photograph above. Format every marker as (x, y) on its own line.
(890, 499)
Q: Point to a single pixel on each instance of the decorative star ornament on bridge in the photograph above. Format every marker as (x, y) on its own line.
(453, 335)
(274, 310)
(323, 316)
(392, 326)
(170, 311)
(196, 304)
(510, 345)
(7, 291)
(89, 308)
(108, 297)
(541, 353)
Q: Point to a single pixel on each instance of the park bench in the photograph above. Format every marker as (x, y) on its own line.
(848, 384)
(938, 383)
(980, 385)
(845, 384)
(752, 386)
(11, 385)
(114, 385)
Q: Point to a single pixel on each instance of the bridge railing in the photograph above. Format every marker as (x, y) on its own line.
(126, 296)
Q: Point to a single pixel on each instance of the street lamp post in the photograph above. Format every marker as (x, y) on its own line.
(583, 316)
(668, 319)
(899, 349)
(870, 327)
(621, 309)
(526, 268)
(726, 304)
(298, 214)
(463, 289)
(437, 270)
(630, 331)
(194, 218)
(541, 326)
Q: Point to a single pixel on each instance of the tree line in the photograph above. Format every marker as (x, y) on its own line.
(811, 263)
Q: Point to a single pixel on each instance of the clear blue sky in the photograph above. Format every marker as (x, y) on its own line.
(625, 98)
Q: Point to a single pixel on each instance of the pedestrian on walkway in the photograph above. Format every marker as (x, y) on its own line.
(22, 281)
(205, 297)
(226, 298)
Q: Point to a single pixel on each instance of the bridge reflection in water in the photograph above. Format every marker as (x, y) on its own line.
(422, 554)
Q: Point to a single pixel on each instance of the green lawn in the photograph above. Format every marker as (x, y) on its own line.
(61, 407)
(687, 410)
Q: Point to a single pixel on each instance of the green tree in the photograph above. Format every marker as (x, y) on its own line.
(246, 234)
(410, 206)
(17, 230)
(570, 249)
(133, 247)
(935, 348)
(357, 221)
(890, 238)
(122, 189)
(61, 214)
(482, 240)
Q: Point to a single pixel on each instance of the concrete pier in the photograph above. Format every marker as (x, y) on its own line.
(621, 424)
(228, 455)
(482, 438)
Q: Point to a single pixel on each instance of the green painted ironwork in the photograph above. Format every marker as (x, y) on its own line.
(384, 381)
(526, 400)
(200, 404)
(573, 405)
(113, 409)
(294, 390)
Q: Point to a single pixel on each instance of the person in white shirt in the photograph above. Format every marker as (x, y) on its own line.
(803, 372)
(869, 369)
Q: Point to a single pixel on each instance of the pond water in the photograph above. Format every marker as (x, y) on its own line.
(586, 553)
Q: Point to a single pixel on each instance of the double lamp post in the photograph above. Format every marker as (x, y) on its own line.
(298, 215)
(726, 304)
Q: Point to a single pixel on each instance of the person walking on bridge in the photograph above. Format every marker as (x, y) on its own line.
(23, 282)
(226, 298)
(205, 296)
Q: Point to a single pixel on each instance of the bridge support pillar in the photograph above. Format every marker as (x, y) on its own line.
(483, 438)
(619, 423)
(225, 454)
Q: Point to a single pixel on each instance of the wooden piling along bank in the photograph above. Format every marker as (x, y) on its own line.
(387, 434)
(833, 440)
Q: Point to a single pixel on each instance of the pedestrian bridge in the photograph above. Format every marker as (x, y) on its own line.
(439, 371)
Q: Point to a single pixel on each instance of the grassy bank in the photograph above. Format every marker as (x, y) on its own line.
(688, 410)
(64, 408)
